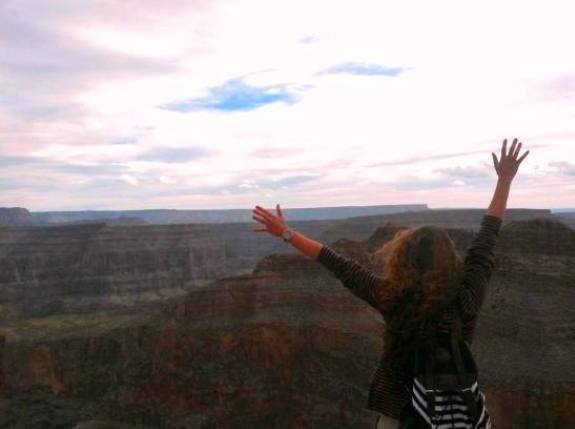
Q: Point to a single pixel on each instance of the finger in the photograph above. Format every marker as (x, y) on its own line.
(263, 212)
(512, 149)
(259, 216)
(260, 219)
(260, 208)
(518, 150)
(504, 149)
(523, 157)
(495, 162)
(280, 214)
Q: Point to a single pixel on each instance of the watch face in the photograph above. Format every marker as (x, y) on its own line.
(287, 234)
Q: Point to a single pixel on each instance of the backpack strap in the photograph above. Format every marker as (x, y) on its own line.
(457, 357)
(429, 394)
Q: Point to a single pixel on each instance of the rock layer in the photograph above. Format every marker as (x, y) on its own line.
(99, 267)
(15, 216)
(287, 346)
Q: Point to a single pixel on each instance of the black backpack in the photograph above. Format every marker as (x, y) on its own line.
(445, 391)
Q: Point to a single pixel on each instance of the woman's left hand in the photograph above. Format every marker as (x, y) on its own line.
(275, 225)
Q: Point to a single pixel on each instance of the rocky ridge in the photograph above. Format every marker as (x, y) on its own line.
(14, 216)
(287, 346)
(87, 268)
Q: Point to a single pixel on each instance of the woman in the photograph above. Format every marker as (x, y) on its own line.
(424, 286)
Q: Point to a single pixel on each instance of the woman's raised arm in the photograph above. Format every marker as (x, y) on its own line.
(276, 225)
(357, 278)
(480, 259)
(506, 169)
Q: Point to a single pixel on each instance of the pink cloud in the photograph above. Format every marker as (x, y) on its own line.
(559, 88)
(277, 152)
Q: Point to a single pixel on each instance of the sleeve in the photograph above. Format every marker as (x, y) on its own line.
(478, 265)
(359, 280)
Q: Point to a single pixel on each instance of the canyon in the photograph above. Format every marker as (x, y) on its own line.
(205, 326)
(173, 216)
(82, 268)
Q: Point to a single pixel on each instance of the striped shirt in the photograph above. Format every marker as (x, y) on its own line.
(387, 395)
(450, 409)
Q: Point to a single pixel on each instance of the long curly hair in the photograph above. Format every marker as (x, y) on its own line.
(422, 271)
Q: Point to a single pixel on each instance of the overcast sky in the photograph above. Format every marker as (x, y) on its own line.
(133, 104)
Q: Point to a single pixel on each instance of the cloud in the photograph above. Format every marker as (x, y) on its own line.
(564, 167)
(50, 65)
(418, 159)
(468, 172)
(248, 185)
(235, 95)
(412, 183)
(444, 156)
(12, 161)
(275, 152)
(470, 177)
(47, 54)
(37, 177)
(26, 183)
(166, 180)
(559, 88)
(125, 140)
(362, 69)
(38, 164)
(283, 183)
(174, 155)
(89, 170)
(130, 179)
(290, 181)
(309, 39)
(82, 81)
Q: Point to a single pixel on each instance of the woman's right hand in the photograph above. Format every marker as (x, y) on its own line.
(508, 165)
(275, 225)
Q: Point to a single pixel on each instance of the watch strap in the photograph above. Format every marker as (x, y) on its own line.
(289, 234)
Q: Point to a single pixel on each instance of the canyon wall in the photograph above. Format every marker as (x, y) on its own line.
(99, 267)
(287, 346)
(164, 216)
(15, 216)
(94, 267)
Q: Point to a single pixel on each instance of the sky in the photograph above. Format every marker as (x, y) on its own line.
(198, 104)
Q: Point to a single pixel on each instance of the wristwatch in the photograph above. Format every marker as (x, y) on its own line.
(287, 234)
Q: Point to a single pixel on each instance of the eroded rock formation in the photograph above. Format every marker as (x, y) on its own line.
(287, 346)
(84, 268)
(15, 216)
(99, 267)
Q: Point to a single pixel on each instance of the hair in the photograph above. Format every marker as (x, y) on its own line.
(422, 272)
